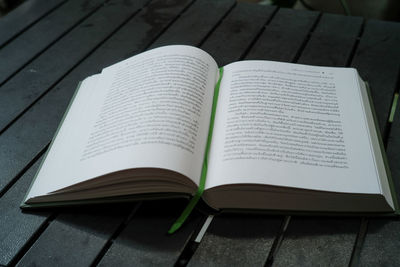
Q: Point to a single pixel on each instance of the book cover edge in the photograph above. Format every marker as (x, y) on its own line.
(383, 152)
(24, 205)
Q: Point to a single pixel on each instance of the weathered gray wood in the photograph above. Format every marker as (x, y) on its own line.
(328, 46)
(74, 239)
(377, 59)
(12, 238)
(320, 241)
(236, 32)
(194, 25)
(317, 242)
(237, 240)
(17, 94)
(381, 244)
(284, 36)
(34, 40)
(43, 73)
(31, 11)
(145, 242)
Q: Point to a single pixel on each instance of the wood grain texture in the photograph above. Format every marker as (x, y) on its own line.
(145, 242)
(38, 37)
(18, 227)
(76, 237)
(236, 32)
(329, 46)
(194, 25)
(381, 244)
(283, 36)
(237, 240)
(36, 78)
(317, 242)
(31, 11)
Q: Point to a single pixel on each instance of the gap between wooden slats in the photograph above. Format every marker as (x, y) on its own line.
(32, 11)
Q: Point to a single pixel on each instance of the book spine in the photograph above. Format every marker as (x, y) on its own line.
(192, 203)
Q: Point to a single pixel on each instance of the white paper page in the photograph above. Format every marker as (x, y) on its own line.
(62, 153)
(291, 125)
(151, 110)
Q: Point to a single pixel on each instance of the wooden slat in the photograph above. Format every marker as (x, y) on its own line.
(237, 240)
(328, 46)
(228, 234)
(41, 35)
(17, 227)
(284, 36)
(377, 59)
(145, 242)
(323, 241)
(381, 245)
(194, 25)
(317, 242)
(74, 239)
(239, 30)
(17, 94)
(31, 11)
(40, 75)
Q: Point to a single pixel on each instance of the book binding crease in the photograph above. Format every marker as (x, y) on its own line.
(192, 203)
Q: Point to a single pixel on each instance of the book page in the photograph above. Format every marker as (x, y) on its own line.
(291, 125)
(149, 111)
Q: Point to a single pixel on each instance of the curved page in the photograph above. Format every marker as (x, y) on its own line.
(149, 111)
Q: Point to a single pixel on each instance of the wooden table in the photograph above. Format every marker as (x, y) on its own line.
(47, 47)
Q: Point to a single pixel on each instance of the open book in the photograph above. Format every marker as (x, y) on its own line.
(256, 135)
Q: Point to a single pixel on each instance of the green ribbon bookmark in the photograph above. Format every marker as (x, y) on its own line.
(178, 223)
(394, 105)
